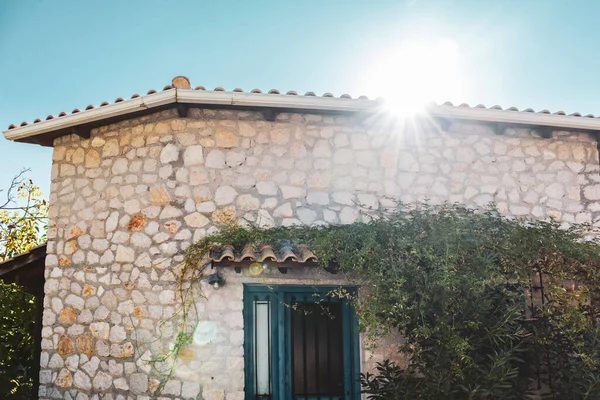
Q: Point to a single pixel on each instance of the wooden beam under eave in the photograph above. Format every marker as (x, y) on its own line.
(442, 124)
(42, 140)
(82, 131)
(269, 114)
(545, 131)
(183, 110)
(499, 128)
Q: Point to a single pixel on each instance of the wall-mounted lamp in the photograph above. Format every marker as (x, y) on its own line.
(256, 268)
(215, 280)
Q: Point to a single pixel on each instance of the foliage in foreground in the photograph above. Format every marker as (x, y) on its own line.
(17, 319)
(463, 288)
(23, 218)
(23, 222)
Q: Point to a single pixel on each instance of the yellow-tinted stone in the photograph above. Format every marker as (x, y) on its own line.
(138, 222)
(64, 379)
(92, 159)
(67, 316)
(159, 196)
(65, 346)
(226, 138)
(85, 344)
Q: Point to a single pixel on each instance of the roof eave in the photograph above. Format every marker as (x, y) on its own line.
(97, 114)
(569, 122)
(187, 96)
(278, 101)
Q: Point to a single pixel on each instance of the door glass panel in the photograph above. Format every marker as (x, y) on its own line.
(317, 350)
(262, 347)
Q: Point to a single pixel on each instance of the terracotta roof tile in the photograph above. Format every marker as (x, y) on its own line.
(286, 253)
(181, 82)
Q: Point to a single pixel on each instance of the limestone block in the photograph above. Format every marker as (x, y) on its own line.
(82, 381)
(110, 148)
(102, 381)
(196, 220)
(226, 139)
(169, 154)
(215, 159)
(225, 195)
(64, 379)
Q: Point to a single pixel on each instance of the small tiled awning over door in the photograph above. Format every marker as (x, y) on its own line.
(283, 257)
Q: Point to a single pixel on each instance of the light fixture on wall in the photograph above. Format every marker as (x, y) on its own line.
(256, 268)
(215, 280)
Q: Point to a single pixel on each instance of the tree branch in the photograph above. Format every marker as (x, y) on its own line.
(16, 181)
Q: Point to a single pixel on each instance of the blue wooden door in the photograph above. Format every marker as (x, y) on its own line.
(300, 344)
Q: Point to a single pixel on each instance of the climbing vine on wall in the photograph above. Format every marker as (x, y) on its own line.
(490, 307)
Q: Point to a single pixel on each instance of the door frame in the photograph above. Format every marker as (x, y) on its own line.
(281, 343)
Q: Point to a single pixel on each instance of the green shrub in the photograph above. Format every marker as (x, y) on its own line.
(17, 319)
(490, 307)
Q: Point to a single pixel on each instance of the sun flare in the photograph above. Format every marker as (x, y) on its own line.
(415, 74)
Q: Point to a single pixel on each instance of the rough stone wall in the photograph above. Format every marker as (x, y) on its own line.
(128, 201)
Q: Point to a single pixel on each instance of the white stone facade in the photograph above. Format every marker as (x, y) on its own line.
(128, 201)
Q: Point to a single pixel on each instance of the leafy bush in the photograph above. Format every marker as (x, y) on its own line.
(17, 319)
(489, 307)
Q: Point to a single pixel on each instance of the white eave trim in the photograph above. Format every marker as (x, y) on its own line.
(307, 103)
(99, 113)
(516, 117)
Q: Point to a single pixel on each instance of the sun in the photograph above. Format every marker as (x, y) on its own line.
(415, 74)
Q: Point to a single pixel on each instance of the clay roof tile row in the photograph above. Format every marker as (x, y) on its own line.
(286, 253)
(294, 93)
(169, 87)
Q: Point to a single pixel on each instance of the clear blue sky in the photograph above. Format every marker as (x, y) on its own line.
(60, 54)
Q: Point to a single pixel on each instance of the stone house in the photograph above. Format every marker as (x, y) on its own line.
(135, 182)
